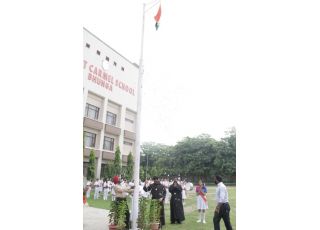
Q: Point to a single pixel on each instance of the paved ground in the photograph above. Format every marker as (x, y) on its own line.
(95, 218)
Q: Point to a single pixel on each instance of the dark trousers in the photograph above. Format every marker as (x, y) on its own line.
(224, 214)
(162, 216)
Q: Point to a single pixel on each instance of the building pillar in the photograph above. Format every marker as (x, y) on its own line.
(100, 147)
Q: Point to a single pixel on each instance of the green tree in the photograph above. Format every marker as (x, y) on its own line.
(129, 173)
(91, 166)
(155, 155)
(117, 162)
(110, 171)
(229, 167)
(193, 158)
(107, 171)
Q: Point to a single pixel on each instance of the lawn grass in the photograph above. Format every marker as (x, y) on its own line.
(190, 210)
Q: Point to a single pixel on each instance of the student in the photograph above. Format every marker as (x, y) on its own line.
(223, 209)
(166, 185)
(202, 203)
(88, 189)
(96, 189)
(105, 190)
(184, 194)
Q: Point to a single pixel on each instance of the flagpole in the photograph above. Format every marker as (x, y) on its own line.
(135, 205)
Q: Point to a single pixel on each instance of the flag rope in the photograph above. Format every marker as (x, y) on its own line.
(158, 1)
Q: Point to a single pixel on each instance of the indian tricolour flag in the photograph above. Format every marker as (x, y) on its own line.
(157, 18)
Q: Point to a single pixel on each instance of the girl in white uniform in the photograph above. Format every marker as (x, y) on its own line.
(202, 203)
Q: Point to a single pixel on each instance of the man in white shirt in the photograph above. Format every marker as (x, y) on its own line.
(223, 208)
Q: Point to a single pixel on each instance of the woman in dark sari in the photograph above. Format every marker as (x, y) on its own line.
(176, 207)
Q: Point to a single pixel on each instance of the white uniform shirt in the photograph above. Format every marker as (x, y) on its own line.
(221, 193)
(122, 191)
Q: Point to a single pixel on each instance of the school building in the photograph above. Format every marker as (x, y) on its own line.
(110, 84)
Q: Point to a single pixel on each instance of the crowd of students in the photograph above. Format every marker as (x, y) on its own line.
(105, 188)
(173, 192)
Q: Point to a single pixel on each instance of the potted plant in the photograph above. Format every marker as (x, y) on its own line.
(154, 214)
(117, 215)
(113, 216)
(122, 210)
(143, 215)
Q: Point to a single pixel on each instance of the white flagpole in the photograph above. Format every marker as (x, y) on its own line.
(135, 206)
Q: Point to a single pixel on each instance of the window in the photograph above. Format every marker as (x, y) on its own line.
(92, 112)
(108, 143)
(127, 143)
(87, 45)
(122, 68)
(114, 63)
(98, 52)
(107, 58)
(111, 118)
(89, 139)
(129, 120)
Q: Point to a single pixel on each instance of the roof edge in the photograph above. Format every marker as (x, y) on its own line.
(133, 63)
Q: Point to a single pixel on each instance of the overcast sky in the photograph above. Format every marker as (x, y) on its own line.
(189, 85)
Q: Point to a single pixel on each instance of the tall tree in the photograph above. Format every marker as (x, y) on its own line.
(193, 158)
(91, 166)
(117, 162)
(130, 167)
(111, 171)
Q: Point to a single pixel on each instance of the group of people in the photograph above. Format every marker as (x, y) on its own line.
(104, 187)
(165, 191)
(159, 192)
(186, 186)
(222, 210)
(178, 189)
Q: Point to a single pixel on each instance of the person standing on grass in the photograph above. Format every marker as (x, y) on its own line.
(100, 187)
(184, 194)
(166, 185)
(202, 203)
(113, 193)
(88, 189)
(96, 189)
(105, 190)
(84, 197)
(176, 207)
(223, 209)
(158, 192)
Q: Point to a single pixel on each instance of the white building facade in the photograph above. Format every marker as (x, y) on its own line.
(110, 83)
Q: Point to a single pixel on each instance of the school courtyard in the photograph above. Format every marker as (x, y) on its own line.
(95, 216)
